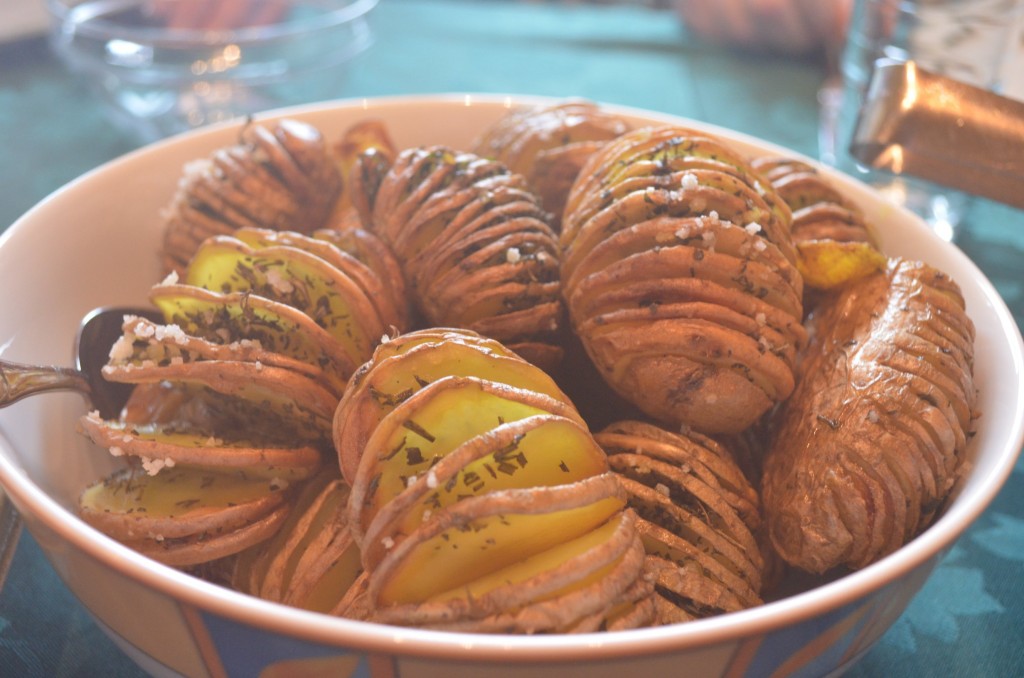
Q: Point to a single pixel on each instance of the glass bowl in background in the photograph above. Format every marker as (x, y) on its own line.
(166, 66)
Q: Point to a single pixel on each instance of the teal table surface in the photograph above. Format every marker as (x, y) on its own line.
(969, 618)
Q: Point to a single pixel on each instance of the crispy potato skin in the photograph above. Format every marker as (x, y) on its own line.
(873, 438)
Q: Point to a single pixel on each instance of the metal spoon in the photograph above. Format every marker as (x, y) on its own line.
(98, 331)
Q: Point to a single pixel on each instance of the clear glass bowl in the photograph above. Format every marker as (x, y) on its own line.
(165, 66)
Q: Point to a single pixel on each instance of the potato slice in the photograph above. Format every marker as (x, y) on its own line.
(317, 561)
(544, 142)
(820, 210)
(393, 311)
(378, 257)
(546, 591)
(286, 400)
(830, 264)
(481, 536)
(243, 316)
(697, 514)
(396, 376)
(461, 477)
(250, 567)
(474, 244)
(426, 427)
(204, 548)
(362, 154)
(172, 446)
(177, 502)
(144, 342)
(539, 451)
(297, 278)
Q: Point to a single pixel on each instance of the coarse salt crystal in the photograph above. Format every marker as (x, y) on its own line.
(689, 181)
(873, 416)
(172, 331)
(116, 451)
(431, 479)
(753, 228)
(154, 466)
(663, 490)
(144, 330)
(280, 284)
(709, 238)
(512, 255)
(388, 543)
(122, 349)
(684, 232)
(761, 319)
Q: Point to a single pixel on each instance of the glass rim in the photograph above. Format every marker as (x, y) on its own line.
(64, 11)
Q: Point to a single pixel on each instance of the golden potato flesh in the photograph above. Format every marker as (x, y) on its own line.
(296, 278)
(462, 477)
(830, 264)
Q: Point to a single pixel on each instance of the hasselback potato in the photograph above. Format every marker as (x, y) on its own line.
(678, 273)
(475, 246)
(820, 211)
(236, 389)
(479, 499)
(873, 439)
(698, 516)
(280, 176)
(548, 144)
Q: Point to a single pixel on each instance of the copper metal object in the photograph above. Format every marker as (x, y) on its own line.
(936, 128)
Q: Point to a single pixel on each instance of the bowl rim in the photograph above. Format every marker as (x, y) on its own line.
(372, 637)
(65, 11)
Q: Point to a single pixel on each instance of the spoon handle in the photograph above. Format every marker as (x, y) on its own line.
(19, 381)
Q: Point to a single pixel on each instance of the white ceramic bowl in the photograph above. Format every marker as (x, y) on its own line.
(94, 243)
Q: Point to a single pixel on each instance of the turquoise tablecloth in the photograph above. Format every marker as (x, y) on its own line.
(968, 619)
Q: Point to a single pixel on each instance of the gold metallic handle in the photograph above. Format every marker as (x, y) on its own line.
(20, 381)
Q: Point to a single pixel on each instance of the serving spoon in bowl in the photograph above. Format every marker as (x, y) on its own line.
(98, 331)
